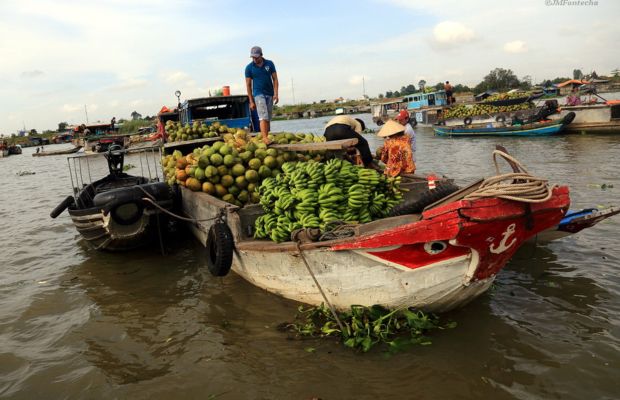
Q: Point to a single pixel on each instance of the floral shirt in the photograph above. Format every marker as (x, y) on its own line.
(398, 156)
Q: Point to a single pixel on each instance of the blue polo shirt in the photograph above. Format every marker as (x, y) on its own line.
(261, 77)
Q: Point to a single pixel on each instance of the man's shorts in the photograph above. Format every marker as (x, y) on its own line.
(264, 107)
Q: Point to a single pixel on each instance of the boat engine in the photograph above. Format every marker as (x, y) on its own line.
(116, 158)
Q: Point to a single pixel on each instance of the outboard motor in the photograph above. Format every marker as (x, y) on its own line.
(116, 158)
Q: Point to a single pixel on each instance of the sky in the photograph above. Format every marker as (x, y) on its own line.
(60, 58)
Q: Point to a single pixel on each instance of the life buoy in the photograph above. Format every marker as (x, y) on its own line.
(500, 118)
(467, 121)
(220, 247)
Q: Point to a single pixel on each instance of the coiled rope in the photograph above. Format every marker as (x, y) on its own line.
(518, 186)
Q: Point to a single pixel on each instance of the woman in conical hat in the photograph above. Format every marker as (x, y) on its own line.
(396, 152)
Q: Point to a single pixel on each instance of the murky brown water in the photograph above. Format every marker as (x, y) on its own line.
(75, 323)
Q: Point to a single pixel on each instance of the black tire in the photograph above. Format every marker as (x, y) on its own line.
(442, 189)
(467, 121)
(380, 122)
(413, 122)
(132, 218)
(568, 118)
(220, 248)
(62, 206)
(500, 118)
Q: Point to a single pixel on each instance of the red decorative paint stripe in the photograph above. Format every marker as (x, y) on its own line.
(415, 256)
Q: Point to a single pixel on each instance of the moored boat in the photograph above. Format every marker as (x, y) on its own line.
(595, 118)
(72, 150)
(118, 212)
(435, 260)
(537, 128)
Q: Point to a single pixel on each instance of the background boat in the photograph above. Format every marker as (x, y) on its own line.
(544, 128)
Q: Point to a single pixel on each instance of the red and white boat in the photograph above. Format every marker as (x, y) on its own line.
(435, 261)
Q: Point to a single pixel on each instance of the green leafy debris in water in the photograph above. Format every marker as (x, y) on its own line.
(366, 327)
(127, 167)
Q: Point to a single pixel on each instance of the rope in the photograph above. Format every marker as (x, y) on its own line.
(176, 215)
(316, 282)
(518, 186)
(340, 230)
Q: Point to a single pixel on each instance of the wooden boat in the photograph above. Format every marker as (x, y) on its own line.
(576, 221)
(595, 118)
(15, 149)
(119, 212)
(543, 128)
(57, 152)
(435, 260)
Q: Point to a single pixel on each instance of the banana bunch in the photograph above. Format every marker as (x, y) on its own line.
(332, 170)
(264, 225)
(313, 195)
(285, 200)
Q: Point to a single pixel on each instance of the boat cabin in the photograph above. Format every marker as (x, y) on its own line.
(232, 111)
(382, 111)
(420, 100)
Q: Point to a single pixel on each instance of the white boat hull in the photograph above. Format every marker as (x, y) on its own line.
(354, 277)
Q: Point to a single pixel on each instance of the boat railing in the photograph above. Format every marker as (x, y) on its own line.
(84, 166)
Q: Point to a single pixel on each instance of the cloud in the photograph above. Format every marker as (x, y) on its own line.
(35, 73)
(175, 76)
(70, 108)
(450, 34)
(516, 46)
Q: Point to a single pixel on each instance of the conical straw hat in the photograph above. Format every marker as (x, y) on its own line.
(390, 128)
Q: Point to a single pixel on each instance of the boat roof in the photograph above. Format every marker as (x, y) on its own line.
(573, 82)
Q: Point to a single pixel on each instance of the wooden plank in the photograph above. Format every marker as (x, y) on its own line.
(332, 145)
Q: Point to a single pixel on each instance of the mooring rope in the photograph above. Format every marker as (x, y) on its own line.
(518, 186)
(176, 215)
(316, 282)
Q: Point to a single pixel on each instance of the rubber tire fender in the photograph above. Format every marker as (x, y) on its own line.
(62, 206)
(467, 121)
(442, 189)
(220, 248)
(568, 118)
(500, 118)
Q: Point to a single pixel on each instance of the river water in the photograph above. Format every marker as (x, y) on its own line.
(77, 324)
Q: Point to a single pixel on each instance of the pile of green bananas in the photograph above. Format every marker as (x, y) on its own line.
(314, 194)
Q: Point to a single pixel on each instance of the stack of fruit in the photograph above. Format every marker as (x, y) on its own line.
(233, 168)
(177, 132)
(314, 194)
(465, 110)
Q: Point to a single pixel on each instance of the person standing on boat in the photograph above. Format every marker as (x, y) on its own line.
(396, 152)
(448, 88)
(112, 123)
(261, 81)
(344, 127)
(404, 119)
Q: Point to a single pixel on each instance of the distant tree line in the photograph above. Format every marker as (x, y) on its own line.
(499, 79)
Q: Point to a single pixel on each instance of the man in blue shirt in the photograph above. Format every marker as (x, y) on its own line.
(261, 81)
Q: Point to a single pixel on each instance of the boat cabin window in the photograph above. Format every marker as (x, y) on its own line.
(215, 108)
